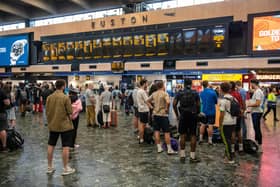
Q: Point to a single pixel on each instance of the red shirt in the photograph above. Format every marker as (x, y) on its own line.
(237, 96)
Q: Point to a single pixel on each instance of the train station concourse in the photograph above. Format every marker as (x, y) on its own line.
(140, 93)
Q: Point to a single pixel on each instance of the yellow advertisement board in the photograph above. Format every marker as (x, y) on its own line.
(222, 77)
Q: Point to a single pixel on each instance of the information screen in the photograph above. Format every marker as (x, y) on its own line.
(162, 43)
(204, 41)
(97, 48)
(117, 46)
(54, 50)
(176, 43)
(266, 33)
(87, 49)
(139, 45)
(219, 38)
(127, 46)
(14, 50)
(107, 47)
(46, 52)
(79, 50)
(190, 38)
(151, 44)
(70, 50)
(61, 51)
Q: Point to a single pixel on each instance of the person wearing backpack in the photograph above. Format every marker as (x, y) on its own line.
(106, 106)
(22, 96)
(189, 107)
(44, 95)
(116, 97)
(237, 96)
(257, 111)
(227, 121)
(209, 100)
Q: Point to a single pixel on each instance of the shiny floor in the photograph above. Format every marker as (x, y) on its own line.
(113, 157)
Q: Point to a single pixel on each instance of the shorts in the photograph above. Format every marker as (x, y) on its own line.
(161, 122)
(238, 124)
(210, 120)
(188, 124)
(3, 122)
(136, 113)
(144, 117)
(66, 138)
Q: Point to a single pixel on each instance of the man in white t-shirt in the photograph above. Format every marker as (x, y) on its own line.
(257, 111)
(135, 107)
(227, 121)
(143, 108)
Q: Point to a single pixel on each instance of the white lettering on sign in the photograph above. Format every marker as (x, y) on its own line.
(3, 50)
(268, 77)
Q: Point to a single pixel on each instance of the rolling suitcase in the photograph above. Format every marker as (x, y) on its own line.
(114, 118)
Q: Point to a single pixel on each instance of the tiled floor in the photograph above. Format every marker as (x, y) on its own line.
(113, 157)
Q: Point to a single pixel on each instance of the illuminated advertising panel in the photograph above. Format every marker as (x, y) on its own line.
(46, 51)
(176, 43)
(79, 50)
(53, 51)
(97, 48)
(162, 43)
(107, 47)
(70, 50)
(127, 46)
(14, 50)
(61, 51)
(203, 40)
(87, 49)
(219, 38)
(117, 46)
(266, 33)
(139, 45)
(190, 38)
(151, 44)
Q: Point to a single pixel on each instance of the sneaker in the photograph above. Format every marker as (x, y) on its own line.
(171, 152)
(141, 141)
(50, 170)
(227, 161)
(195, 160)
(68, 171)
(160, 150)
(76, 146)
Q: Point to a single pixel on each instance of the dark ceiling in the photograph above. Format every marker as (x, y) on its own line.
(18, 10)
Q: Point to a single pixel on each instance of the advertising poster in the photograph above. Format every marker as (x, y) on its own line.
(219, 38)
(117, 46)
(97, 48)
(162, 43)
(107, 47)
(203, 41)
(79, 50)
(266, 33)
(151, 44)
(190, 38)
(176, 43)
(53, 51)
(139, 45)
(70, 50)
(61, 51)
(87, 49)
(46, 52)
(127, 46)
(14, 50)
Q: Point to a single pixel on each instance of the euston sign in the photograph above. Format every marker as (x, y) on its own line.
(123, 21)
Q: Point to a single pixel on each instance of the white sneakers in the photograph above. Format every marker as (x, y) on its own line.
(171, 152)
(66, 171)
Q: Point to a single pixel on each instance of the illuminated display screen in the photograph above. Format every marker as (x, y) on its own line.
(61, 51)
(190, 38)
(266, 33)
(219, 38)
(176, 43)
(107, 47)
(46, 51)
(70, 50)
(163, 43)
(203, 40)
(53, 51)
(117, 67)
(88, 49)
(117, 46)
(79, 49)
(127, 46)
(97, 48)
(139, 45)
(151, 44)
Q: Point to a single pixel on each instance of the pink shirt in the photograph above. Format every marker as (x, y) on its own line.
(77, 108)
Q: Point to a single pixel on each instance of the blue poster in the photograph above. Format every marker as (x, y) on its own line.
(14, 50)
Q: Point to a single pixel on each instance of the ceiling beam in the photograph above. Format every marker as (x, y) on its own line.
(13, 10)
(41, 4)
(82, 3)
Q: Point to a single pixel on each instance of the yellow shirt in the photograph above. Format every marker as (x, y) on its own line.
(58, 110)
(271, 97)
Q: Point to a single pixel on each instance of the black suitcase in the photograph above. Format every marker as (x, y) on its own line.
(100, 118)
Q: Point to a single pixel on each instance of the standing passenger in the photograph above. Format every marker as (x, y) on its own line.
(105, 105)
(90, 106)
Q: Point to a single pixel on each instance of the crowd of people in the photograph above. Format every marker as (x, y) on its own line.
(151, 108)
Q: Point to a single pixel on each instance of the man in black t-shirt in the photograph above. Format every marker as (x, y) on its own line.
(4, 104)
(189, 107)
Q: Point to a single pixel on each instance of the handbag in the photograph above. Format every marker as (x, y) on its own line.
(106, 109)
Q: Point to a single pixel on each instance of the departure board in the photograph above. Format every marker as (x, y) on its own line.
(190, 38)
(139, 45)
(107, 47)
(79, 50)
(117, 46)
(97, 48)
(53, 51)
(162, 44)
(127, 46)
(218, 33)
(70, 50)
(204, 41)
(87, 49)
(176, 43)
(46, 52)
(151, 44)
(61, 51)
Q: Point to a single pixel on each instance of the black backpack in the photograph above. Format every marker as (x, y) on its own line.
(14, 139)
(130, 100)
(235, 110)
(149, 135)
(188, 101)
